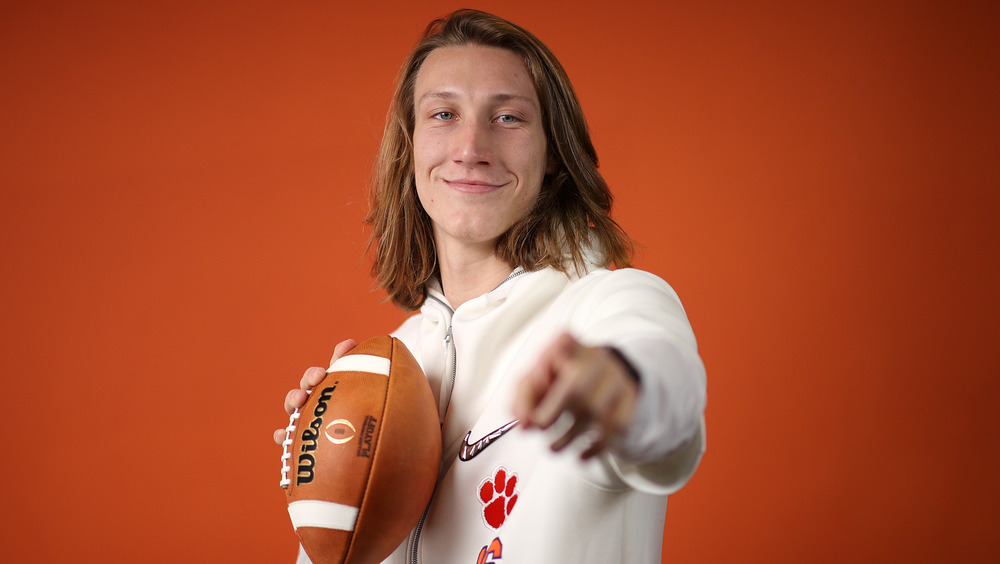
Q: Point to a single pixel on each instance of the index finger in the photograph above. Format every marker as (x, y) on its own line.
(313, 376)
(537, 384)
(342, 348)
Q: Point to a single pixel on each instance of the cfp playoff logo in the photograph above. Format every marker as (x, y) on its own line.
(338, 432)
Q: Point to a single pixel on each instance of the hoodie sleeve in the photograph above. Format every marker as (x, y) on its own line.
(640, 315)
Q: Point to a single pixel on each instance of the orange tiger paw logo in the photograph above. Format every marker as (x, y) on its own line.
(498, 496)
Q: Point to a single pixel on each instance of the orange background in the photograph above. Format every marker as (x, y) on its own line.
(181, 223)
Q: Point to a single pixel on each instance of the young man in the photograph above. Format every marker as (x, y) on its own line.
(571, 396)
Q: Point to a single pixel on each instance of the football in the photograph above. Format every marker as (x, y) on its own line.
(361, 457)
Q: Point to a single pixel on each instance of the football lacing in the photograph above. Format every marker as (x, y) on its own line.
(285, 480)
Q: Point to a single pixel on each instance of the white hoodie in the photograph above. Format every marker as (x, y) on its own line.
(505, 496)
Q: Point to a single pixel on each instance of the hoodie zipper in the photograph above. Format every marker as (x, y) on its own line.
(449, 342)
(452, 359)
(450, 346)
(416, 534)
(517, 272)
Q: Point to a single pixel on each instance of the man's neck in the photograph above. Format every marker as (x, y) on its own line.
(470, 274)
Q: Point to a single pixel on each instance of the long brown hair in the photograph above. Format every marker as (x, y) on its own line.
(573, 208)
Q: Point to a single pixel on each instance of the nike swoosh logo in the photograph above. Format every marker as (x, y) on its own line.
(469, 451)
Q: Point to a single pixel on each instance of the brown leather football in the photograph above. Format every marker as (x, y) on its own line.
(361, 456)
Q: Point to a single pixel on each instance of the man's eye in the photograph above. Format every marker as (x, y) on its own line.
(507, 119)
(444, 116)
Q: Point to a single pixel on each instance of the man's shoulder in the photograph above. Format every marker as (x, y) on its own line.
(603, 280)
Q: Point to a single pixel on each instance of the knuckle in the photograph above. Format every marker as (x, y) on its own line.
(312, 376)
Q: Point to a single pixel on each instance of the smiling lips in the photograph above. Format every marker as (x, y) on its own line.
(470, 186)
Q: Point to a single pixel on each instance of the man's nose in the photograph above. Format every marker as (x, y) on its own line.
(473, 143)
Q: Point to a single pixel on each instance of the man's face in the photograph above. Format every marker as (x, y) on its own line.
(479, 148)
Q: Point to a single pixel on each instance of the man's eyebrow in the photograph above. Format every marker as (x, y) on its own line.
(514, 98)
(451, 95)
(437, 94)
